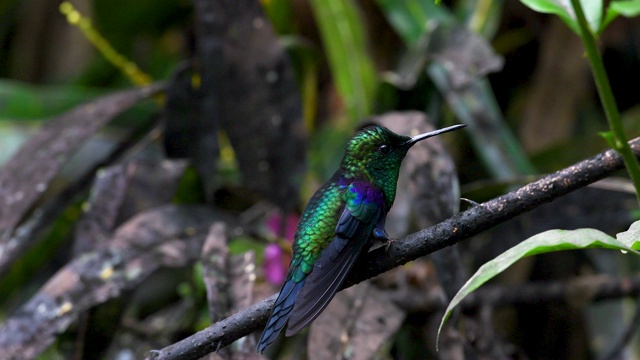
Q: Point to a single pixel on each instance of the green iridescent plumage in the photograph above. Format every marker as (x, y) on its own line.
(337, 225)
(315, 229)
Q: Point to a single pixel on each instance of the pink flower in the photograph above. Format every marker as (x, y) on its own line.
(276, 259)
(274, 269)
(274, 224)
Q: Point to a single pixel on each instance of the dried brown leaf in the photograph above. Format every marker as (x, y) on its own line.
(215, 259)
(260, 104)
(243, 275)
(121, 191)
(164, 237)
(467, 55)
(247, 89)
(27, 174)
(229, 281)
(151, 184)
(191, 118)
(355, 325)
(101, 209)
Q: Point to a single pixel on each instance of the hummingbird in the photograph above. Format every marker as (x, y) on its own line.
(340, 222)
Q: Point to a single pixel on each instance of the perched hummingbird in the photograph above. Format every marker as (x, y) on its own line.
(338, 224)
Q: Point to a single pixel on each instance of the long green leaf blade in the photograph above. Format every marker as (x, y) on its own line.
(343, 36)
(548, 241)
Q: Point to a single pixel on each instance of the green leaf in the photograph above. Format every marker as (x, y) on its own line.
(410, 18)
(548, 241)
(280, 13)
(609, 137)
(343, 36)
(22, 101)
(626, 8)
(592, 11)
(631, 237)
(561, 8)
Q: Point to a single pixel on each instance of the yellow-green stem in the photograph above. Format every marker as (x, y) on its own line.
(127, 67)
(619, 142)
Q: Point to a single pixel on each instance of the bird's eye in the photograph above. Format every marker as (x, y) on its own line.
(385, 149)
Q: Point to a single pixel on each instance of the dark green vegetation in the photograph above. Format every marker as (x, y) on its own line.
(130, 218)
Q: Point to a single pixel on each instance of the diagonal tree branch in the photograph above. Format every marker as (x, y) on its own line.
(413, 246)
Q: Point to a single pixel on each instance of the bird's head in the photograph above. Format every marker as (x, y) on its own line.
(375, 153)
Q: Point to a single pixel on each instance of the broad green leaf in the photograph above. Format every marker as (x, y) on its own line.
(548, 241)
(344, 39)
(626, 8)
(592, 11)
(631, 237)
(561, 8)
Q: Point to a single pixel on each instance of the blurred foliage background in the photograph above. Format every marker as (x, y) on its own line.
(265, 124)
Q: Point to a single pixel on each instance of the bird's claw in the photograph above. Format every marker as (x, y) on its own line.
(380, 234)
(388, 243)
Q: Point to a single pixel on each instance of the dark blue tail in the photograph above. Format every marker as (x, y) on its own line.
(280, 314)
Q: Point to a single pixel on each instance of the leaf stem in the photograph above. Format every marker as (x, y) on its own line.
(619, 139)
(128, 68)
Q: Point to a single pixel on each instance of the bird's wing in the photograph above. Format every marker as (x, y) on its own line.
(281, 309)
(303, 259)
(364, 206)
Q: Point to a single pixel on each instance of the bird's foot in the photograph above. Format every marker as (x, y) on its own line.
(381, 235)
(388, 243)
